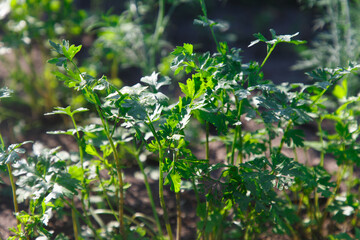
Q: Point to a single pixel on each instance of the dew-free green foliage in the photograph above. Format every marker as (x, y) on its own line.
(337, 37)
(257, 190)
(26, 26)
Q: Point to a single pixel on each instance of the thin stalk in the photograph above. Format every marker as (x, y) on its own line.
(208, 204)
(296, 158)
(270, 144)
(334, 21)
(198, 202)
(178, 218)
(354, 221)
(203, 8)
(161, 179)
(76, 67)
(239, 129)
(86, 221)
(249, 227)
(268, 55)
(207, 149)
(322, 154)
(74, 222)
(118, 171)
(317, 213)
(350, 180)
(106, 195)
(148, 189)
(84, 193)
(13, 188)
(237, 132)
(2, 142)
(232, 160)
(161, 192)
(346, 27)
(302, 195)
(159, 29)
(341, 172)
(178, 207)
(240, 154)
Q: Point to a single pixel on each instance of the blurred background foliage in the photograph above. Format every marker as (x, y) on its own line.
(126, 40)
(337, 42)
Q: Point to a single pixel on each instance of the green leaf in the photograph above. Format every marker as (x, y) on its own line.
(276, 39)
(70, 132)
(156, 113)
(57, 47)
(5, 92)
(174, 179)
(216, 118)
(242, 94)
(205, 22)
(70, 51)
(151, 99)
(189, 88)
(135, 109)
(135, 90)
(58, 61)
(66, 111)
(76, 173)
(259, 37)
(188, 48)
(296, 136)
(12, 153)
(154, 82)
(340, 91)
(90, 149)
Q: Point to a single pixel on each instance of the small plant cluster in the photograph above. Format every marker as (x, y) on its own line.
(256, 191)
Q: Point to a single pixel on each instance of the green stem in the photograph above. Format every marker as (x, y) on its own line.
(238, 134)
(268, 55)
(322, 154)
(106, 195)
(118, 171)
(203, 8)
(159, 29)
(207, 149)
(86, 192)
(161, 179)
(86, 221)
(74, 222)
(341, 172)
(317, 213)
(249, 226)
(239, 129)
(178, 206)
(148, 189)
(2, 142)
(234, 146)
(198, 203)
(161, 192)
(76, 67)
(178, 214)
(13, 187)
